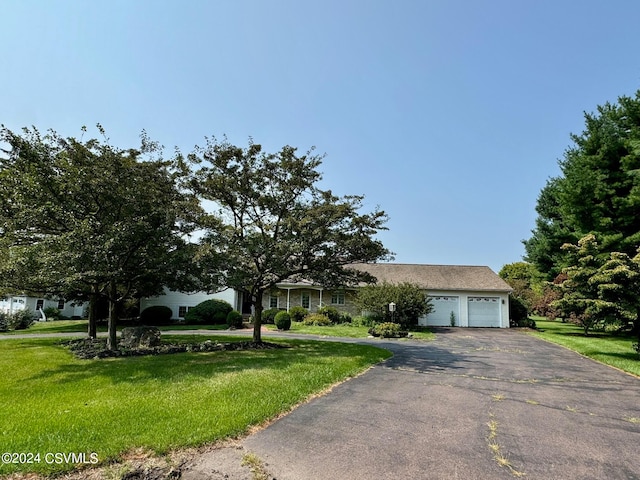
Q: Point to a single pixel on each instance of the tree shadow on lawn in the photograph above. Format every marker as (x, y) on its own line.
(171, 368)
(631, 356)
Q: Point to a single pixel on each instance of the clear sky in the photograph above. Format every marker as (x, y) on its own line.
(448, 114)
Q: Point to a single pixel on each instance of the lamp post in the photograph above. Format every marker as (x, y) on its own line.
(392, 309)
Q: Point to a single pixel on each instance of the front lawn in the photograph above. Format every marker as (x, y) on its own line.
(614, 350)
(345, 330)
(81, 326)
(53, 402)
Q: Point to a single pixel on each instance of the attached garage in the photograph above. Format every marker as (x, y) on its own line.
(443, 307)
(476, 295)
(484, 311)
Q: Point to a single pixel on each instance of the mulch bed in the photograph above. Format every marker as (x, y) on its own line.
(88, 348)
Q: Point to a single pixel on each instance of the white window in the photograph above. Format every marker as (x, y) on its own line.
(61, 304)
(306, 302)
(337, 298)
(182, 311)
(273, 301)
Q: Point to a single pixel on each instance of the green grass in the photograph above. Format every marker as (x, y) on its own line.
(344, 330)
(81, 326)
(52, 402)
(614, 350)
(57, 326)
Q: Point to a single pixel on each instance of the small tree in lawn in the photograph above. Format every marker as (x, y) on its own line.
(618, 282)
(580, 291)
(410, 299)
(272, 222)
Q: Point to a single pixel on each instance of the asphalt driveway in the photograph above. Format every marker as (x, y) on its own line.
(473, 404)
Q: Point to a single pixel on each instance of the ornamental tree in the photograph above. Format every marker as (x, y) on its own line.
(581, 298)
(618, 281)
(271, 222)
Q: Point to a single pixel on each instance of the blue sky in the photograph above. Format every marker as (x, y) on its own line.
(448, 114)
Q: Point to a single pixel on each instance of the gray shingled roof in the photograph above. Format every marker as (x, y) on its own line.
(437, 277)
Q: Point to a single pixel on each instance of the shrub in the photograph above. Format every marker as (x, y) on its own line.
(298, 313)
(268, 316)
(410, 299)
(387, 330)
(156, 315)
(211, 312)
(19, 320)
(316, 319)
(345, 317)
(52, 313)
(283, 321)
(331, 313)
(234, 319)
(519, 317)
(4, 322)
(363, 321)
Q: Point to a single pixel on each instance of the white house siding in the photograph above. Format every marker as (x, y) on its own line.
(175, 300)
(12, 304)
(462, 316)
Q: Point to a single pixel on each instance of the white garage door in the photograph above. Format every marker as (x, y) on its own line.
(441, 314)
(484, 312)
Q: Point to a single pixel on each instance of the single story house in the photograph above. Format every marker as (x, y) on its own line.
(475, 295)
(39, 304)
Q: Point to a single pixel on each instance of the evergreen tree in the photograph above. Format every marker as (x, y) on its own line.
(598, 191)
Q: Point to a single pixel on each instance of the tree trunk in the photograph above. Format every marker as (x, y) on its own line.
(112, 340)
(93, 311)
(257, 318)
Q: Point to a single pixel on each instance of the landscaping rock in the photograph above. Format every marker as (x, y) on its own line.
(140, 337)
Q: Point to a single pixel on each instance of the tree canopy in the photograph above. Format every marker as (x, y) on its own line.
(82, 219)
(273, 223)
(598, 191)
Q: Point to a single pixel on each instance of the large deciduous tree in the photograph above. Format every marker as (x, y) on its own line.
(273, 223)
(525, 280)
(597, 192)
(83, 219)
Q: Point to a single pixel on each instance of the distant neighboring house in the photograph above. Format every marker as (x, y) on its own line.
(39, 304)
(476, 295)
(180, 303)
